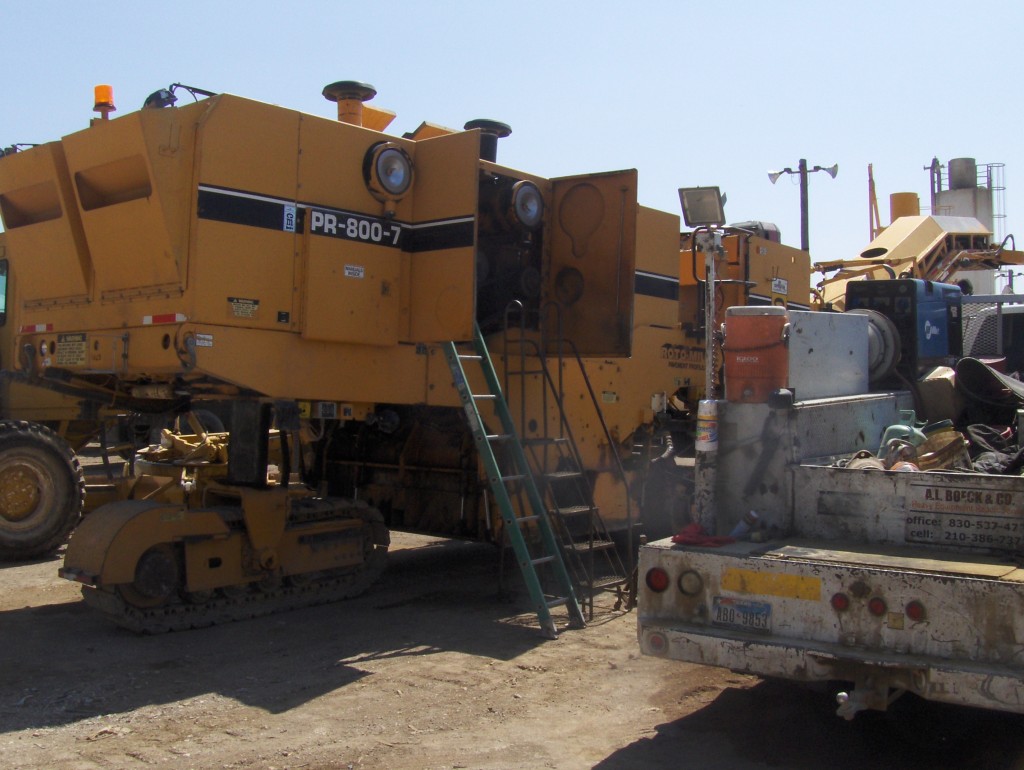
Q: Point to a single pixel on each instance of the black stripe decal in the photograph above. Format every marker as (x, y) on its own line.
(654, 285)
(446, 235)
(758, 300)
(251, 210)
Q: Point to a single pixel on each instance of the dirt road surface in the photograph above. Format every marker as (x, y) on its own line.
(426, 670)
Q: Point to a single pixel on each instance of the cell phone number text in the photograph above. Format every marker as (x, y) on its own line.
(967, 531)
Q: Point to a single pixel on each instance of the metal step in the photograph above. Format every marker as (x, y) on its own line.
(518, 470)
(586, 546)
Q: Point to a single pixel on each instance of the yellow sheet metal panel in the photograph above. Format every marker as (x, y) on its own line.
(242, 276)
(781, 273)
(250, 146)
(377, 118)
(441, 243)
(245, 233)
(41, 216)
(289, 367)
(351, 290)
(657, 242)
(351, 273)
(127, 180)
(593, 251)
(330, 164)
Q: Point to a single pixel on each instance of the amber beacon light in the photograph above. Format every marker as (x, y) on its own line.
(104, 96)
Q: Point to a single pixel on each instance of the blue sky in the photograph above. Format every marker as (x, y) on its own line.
(687, 93)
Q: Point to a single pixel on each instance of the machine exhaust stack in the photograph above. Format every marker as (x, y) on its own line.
(904, 204)
(350, 95)
(490, 132)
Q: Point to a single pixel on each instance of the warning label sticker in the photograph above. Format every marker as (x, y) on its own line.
(71, 350)
(243, 308)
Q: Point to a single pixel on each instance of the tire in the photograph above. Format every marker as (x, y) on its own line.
(209, 420)
(42, 489)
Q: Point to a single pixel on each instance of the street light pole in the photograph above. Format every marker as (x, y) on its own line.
(805, 236)
(803, 171)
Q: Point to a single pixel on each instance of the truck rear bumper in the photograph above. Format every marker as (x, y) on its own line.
(963, 683)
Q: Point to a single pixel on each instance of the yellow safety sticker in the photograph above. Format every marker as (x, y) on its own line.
(745, 581)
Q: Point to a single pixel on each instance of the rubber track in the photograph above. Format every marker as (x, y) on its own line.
(222, 609)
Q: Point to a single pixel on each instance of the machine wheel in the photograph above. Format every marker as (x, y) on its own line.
(211, 422)
(42, 489)
(157, 578)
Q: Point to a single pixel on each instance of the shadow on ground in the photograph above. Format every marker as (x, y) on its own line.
(61, 663)
(781, 725)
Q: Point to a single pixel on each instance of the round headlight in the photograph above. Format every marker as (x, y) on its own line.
(389, 171)
(527, 204)
(394, 169)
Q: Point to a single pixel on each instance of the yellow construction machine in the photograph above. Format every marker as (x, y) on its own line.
(41, 479)
(944, 246)
(389, 324)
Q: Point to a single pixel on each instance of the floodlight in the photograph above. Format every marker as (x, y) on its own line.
(702, 206)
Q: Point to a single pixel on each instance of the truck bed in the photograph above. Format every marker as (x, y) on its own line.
(946, 625)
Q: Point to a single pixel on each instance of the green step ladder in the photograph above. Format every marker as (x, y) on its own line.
(591, 555)
(520, 473)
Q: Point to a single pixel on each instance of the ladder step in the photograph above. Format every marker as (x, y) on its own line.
(574, 510)
(519, 468)
(585, 546)
(552, 441)
(604, 582)
(563, 475)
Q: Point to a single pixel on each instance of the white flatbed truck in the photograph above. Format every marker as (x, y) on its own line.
(892, 582)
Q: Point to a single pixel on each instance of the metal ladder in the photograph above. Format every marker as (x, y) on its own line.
(590, 552)
(517, 521)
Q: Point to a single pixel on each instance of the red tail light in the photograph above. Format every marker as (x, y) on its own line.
(877, 606)
(657, 642)
(657, 579)
(915, 610)
(840, 602)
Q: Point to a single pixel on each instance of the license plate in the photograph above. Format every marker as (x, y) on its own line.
(740, 613)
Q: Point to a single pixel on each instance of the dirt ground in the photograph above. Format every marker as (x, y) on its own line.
(426, 670)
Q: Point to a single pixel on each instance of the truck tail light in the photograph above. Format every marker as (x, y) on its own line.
(657, 642)
(840, 602)
(691, 583)
(915, 610)
(657, 579)
(877, 606)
